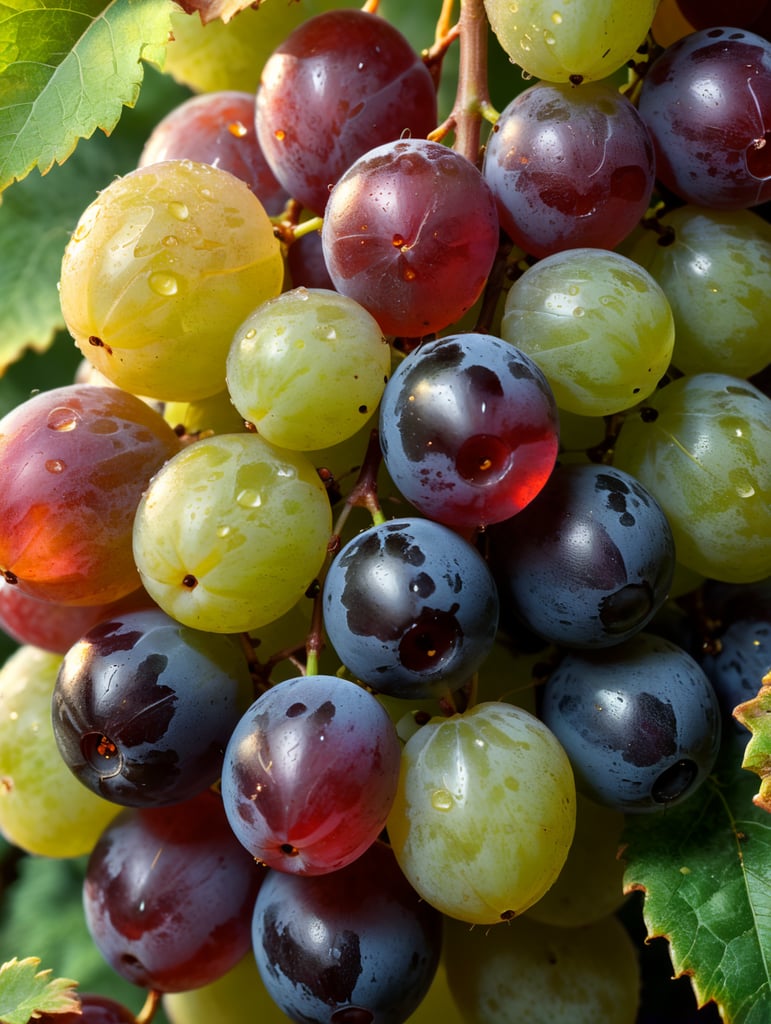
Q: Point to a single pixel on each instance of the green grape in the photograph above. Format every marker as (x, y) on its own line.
(568, 41)
(701, 448)
(591, 883)
(231, 55)
(542, 974)
(223, 1001)
(597, 324)
(161, 269)
(214, 414)
(231, 532)
(485, 812)
(714, 272)
(43, 808)
(438, 1004)
(308, 368)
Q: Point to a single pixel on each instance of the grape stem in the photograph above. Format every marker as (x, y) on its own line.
(148, 1011)
(472, 104)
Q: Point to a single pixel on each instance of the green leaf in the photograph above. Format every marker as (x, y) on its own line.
(24, 991)
(755, 714)
(705, 870)
(68, 69)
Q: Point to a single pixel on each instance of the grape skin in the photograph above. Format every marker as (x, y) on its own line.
(485, 812)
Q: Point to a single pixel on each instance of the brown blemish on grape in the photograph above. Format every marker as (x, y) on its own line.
(98, 343)
(508, 915)
(189, 581)
(9, 577)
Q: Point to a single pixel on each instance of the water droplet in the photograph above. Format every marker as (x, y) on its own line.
(441, 800)
(251, 333)
(62, 419)
(548, 38)
(223, 531)
(179, 211)
(573, 289)
(579, 311)
(249, 498)
(331, 334)
(360, 66)
(238, 129)
(170, 241)
(55, 465)
(514, 7)
(81, 231)
(556, 18)
(163, 284)
(206, 193)
(280, 134)
(409, 274)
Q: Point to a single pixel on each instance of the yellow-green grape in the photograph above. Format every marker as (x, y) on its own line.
(308, 368)
(714, 267)
(701, 447)
(591, 884)
(43, 808)
(579, 435)
(568, 40)
(510, 675)
(223, 1001)
(214, 414)
(231, 55)
(231, 532)
(438, 1004)
(542, 974)
(161, 269)
(597, 324)
(484, 813)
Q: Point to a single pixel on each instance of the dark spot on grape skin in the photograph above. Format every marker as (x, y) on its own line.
(675, 781)
(626, 608)
(110, 637)
(295, 710)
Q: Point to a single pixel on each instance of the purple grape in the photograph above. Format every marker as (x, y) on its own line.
(738, 664)
(707, 103)
(168, 895)
(410, 608)
(640, 722)
(357, 946)
(143, 708)
(589, 562)
(468, 428)
(569, 167)
(310, 774)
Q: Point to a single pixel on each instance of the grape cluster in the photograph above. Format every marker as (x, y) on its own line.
(371, 418)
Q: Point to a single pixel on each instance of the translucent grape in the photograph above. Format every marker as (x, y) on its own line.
(244, 544)
(701, 448)
(43, 807)
(161, 269)
(307, 368)
(597, 324)
(560, 41)
(485, 812)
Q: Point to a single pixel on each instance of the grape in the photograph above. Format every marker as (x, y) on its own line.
(161, 269)
(485, 812)
(589, 562)
(75, 461)
(217, 128)
(94, 1009)
(43, 808)
(143, 708)
(223, 1000)
(564, 42)
(714, 267)
(168, 894)
(709, 13)
(215, 414)
(738, 665)
(543, 974)
(707, 103)
(597, 324)
(305, 262)
(410, 608)
(356, 945)
(310, 774)
(468, 428)
(246, 542)
(569, 167)
(340, 84)
(304, 343)
(411, 231)
(700, 447)
(639, 721)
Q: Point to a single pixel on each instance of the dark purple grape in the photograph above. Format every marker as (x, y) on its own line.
(411, 232)
(590, 560)
(707, 103)
(168, 895)
(569, 167)
(357, 946)
(341, 83)
(469, 429)
(410, 608)
(737, 665)
(310, 774)
(709, 13)
(94, 1010)
(217, 128)
(305, 262)
(640, 722)
(143, 707)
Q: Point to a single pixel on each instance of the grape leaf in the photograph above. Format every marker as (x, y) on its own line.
(24, 991)
(704, 869)
(213, 10)
(68, 69)
(755, 714)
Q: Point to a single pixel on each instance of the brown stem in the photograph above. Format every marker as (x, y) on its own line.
(148, 1011)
